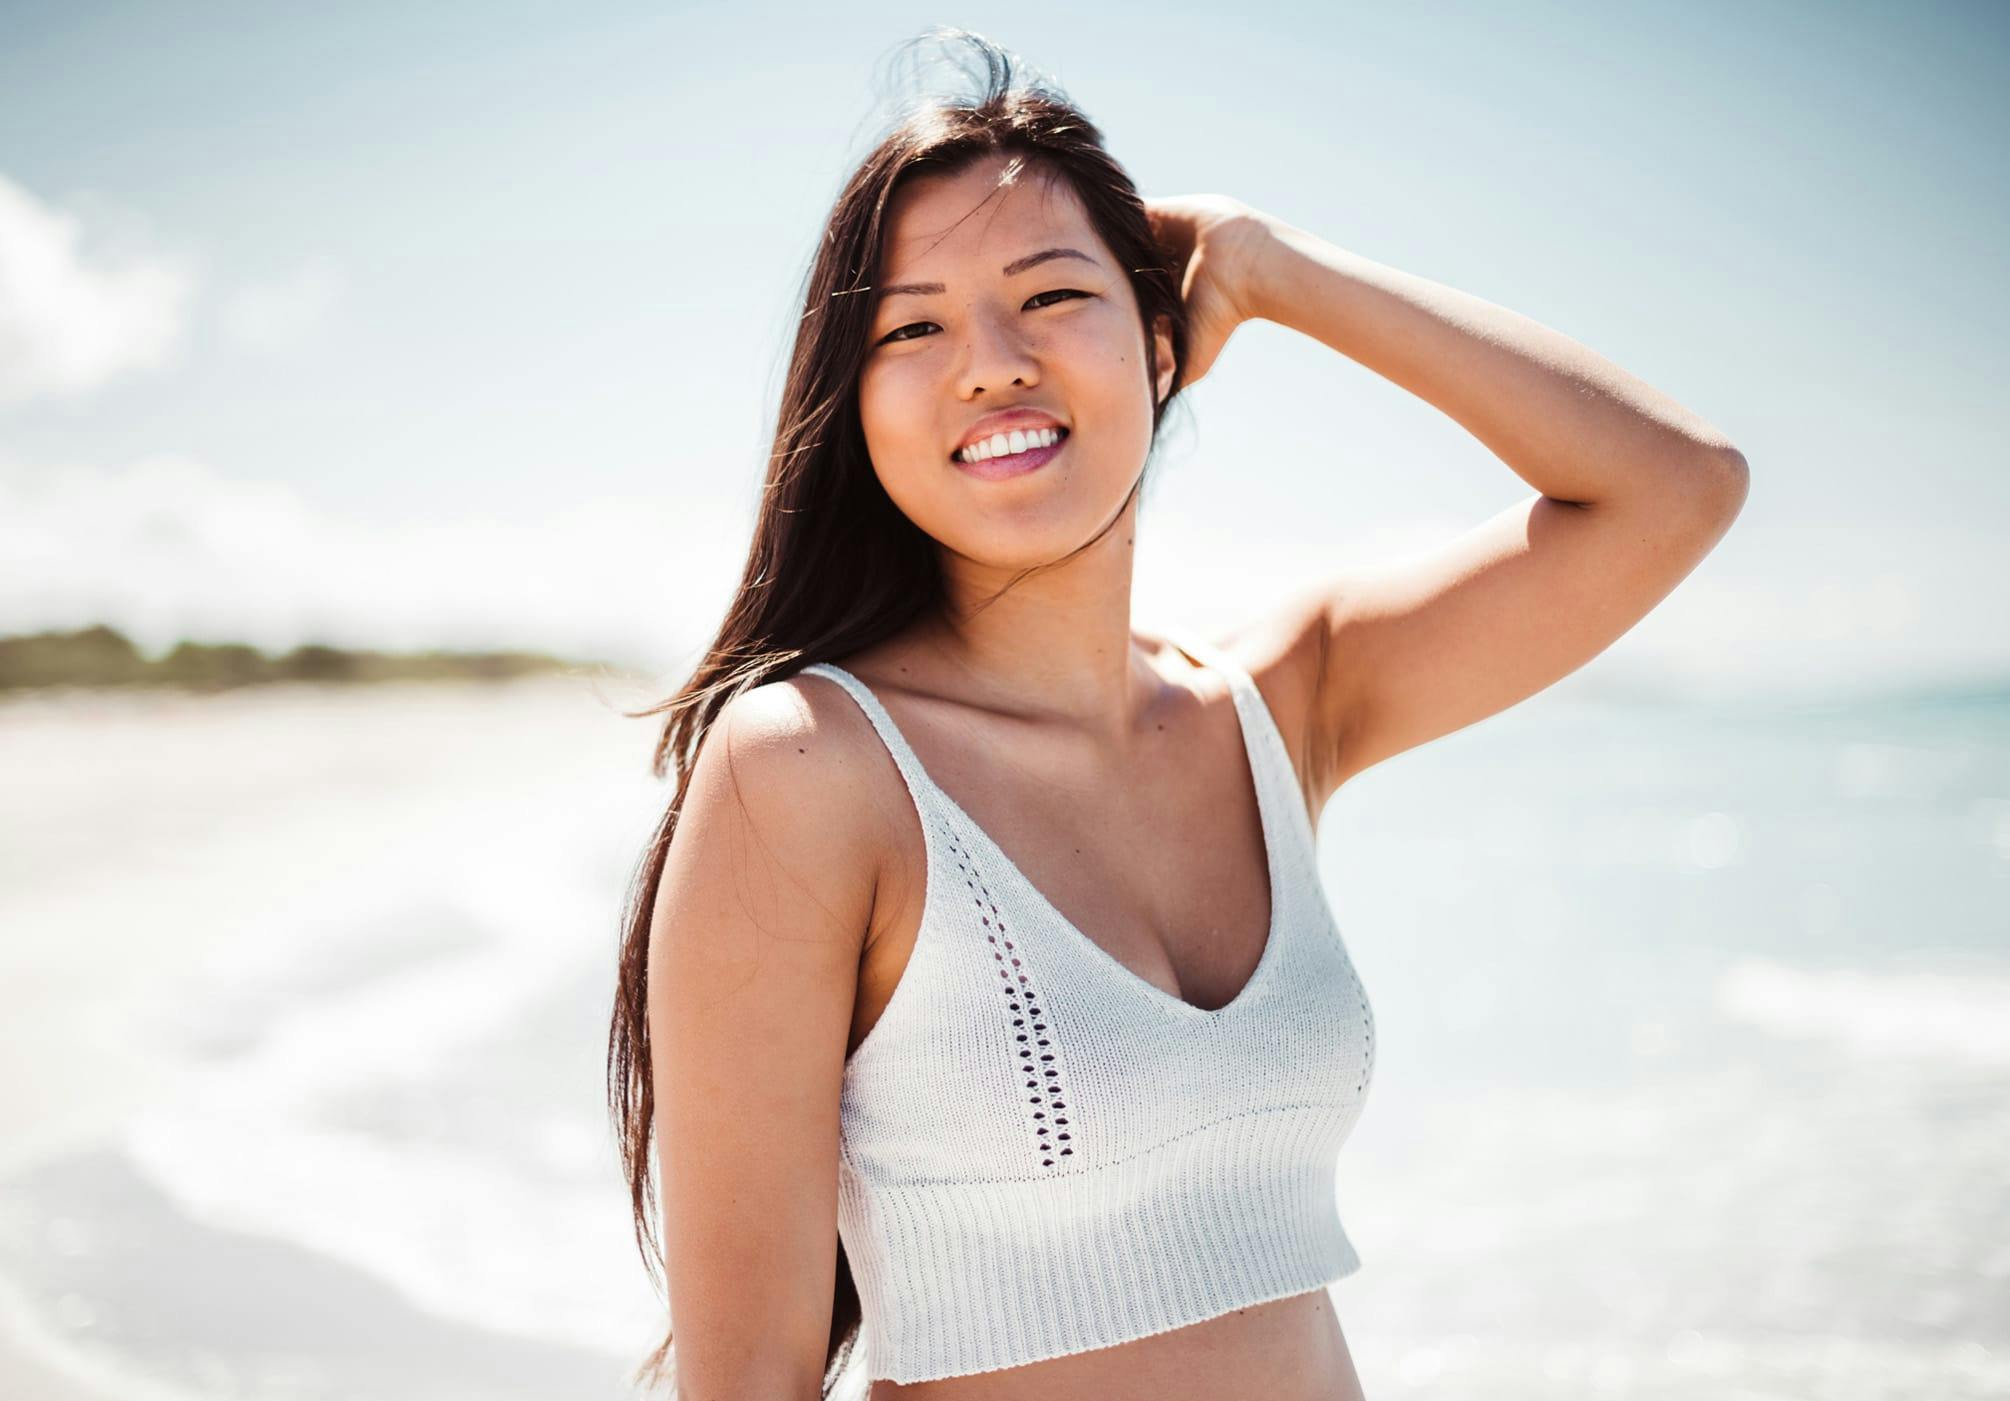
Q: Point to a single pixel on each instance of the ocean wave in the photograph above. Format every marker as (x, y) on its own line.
(1960, 1015)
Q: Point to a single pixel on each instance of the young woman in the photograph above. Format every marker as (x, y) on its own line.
(985, 1012)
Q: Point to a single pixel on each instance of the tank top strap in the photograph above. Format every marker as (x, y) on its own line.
(919, 784)
(1268, 749)
(1194, 645)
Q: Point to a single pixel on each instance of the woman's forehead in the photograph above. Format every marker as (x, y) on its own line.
(951, 221)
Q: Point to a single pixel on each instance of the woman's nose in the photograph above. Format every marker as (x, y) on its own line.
(995, 352)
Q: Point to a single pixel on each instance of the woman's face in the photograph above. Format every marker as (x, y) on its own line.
(1060, 336)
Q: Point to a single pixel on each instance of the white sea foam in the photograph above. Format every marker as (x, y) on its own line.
(394, 932)
(258, 1144)
(537, 1248)
(1962, 1016)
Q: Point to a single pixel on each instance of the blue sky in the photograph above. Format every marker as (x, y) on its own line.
(413, 324)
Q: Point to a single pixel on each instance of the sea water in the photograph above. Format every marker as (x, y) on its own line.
(1694, 1027)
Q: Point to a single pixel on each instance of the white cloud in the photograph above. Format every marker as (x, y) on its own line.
(71, 317)
(268, 316)
(166, 548)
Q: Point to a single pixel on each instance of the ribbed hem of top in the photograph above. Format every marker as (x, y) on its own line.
(972, 1277)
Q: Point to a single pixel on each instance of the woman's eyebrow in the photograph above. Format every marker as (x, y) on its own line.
(1011, 269)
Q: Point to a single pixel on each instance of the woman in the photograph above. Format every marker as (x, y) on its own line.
(1064, 1121)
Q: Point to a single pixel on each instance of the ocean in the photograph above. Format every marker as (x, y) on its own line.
(1692, 1079)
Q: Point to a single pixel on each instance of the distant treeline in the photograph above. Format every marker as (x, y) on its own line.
(103, 656)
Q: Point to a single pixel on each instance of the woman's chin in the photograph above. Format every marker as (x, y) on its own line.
(1036, 534)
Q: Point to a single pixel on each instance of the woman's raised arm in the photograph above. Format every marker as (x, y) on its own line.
(1632, 490)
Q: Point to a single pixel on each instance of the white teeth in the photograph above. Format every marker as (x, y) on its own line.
(999, 444)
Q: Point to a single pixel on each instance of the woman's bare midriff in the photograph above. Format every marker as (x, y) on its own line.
(1285, 1350)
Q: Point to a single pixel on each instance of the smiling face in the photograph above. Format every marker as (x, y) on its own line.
(1008, 329)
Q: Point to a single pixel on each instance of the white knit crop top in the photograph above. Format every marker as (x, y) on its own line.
(1042, 1153)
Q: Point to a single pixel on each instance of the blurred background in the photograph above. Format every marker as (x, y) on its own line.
(384, 392)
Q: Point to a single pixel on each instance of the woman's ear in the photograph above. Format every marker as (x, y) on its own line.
(1164, 365)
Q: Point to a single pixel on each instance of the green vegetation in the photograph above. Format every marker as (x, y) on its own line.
(103, 656)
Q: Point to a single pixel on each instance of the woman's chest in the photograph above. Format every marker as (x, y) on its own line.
(1173, 885)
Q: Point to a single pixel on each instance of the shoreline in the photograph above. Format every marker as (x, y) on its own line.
(157, 838)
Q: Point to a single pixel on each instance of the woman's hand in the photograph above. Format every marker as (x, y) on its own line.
(1211, 240)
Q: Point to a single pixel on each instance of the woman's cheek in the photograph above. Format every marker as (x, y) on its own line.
(908, 381)
(1088, 341)
(886, 401)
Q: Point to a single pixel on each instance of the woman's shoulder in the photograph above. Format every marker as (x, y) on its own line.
(1276, 648)
(801, 727)
(803, 760)
(1282, 650)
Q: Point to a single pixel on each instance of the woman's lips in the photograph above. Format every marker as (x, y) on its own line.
(1015, 464)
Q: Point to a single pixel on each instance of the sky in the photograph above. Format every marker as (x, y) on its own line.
(464, 325)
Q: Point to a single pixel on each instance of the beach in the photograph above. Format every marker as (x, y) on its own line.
(247, 932)
(1692, 1077)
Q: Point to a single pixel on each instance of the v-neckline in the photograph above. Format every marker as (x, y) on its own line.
(1271, 859)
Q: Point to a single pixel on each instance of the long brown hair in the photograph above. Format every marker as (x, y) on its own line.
(834, 565)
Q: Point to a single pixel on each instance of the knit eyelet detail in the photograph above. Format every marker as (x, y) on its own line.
(1027, 1020)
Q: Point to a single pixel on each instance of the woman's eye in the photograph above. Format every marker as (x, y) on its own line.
(1058, 292)
(1037, 300)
